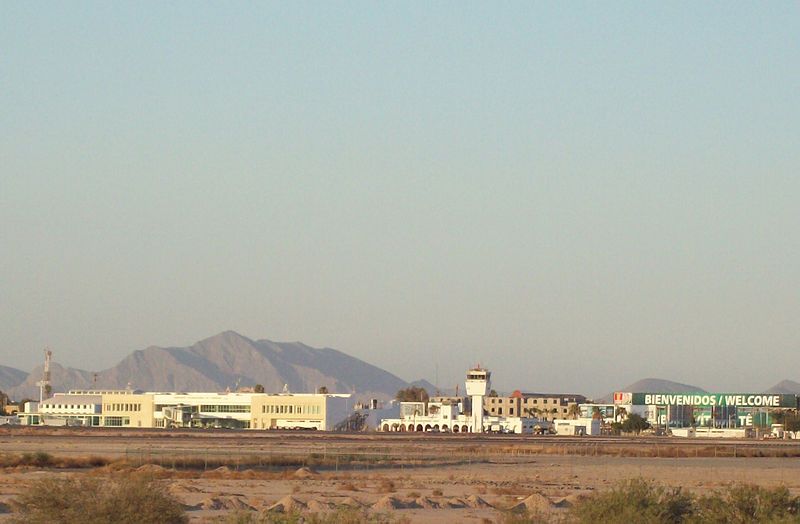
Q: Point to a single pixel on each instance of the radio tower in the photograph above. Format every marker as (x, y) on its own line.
(44, 384)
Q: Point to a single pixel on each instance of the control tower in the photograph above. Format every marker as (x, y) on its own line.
(478, 384)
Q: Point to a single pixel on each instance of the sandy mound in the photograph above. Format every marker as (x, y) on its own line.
(176, 488)
(151, 468)
(534, 502)
(389, 503)
(225, 503)
(350, 502)
(305, 473)
(571, 500)
(474, 501)
(315, 505)
(220, 472)
(426, 503)
(287, 504)
(454, 503)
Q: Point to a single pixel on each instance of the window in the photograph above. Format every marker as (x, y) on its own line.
(229, 408)
(499, 411)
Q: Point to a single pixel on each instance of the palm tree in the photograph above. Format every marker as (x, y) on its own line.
(620, 413)
(532, 412)
(574, 411)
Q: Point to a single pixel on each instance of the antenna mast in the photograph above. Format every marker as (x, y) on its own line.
(44, 384)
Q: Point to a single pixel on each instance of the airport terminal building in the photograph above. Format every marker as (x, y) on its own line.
(136, 409)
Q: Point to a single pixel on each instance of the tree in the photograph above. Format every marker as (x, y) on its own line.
(620, 413)
(634, 424)
(259, 388)
(532, 412)
(492, 393)
(355, 422)
(412, 394)
(322, 390)
(596, 413)
(791, 422)
(574, 411)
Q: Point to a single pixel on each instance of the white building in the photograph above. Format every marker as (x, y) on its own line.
(449, 417)
(578, 427)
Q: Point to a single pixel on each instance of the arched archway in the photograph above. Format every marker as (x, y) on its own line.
(420, 428)
(455, 428)
(464, 429)
(402, 428)
(386, 427)
(428, 427)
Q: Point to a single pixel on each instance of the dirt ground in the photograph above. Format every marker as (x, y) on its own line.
(478, 491)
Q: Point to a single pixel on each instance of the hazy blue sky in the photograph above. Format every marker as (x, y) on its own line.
(576, 195)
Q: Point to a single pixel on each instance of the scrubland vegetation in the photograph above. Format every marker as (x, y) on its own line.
(646, 502)
(128, 499)
(135, 498)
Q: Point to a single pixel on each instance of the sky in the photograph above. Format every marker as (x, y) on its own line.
(575, 195)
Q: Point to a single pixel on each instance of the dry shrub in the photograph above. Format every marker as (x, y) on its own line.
(129, 499)
(507, 490)
(387, 486)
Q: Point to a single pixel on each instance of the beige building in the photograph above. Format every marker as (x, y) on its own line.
(545, 406)
(299, 411)
(135, 409)
(128, 409)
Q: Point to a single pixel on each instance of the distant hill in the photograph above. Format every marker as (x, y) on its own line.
(227, 361)
(654, 385)
(10, 377)
(427, 386)
(59, 377)
(785, 387)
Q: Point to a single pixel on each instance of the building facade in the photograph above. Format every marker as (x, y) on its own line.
(136, 409)
(543, 406)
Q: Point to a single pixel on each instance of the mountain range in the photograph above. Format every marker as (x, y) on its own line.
(229, 360)
(225, 361)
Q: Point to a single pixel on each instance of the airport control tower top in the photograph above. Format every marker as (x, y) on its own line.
(478, 382)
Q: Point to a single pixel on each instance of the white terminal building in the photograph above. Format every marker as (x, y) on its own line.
(137, 409)
(450, 415)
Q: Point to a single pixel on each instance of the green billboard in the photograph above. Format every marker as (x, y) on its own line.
(745, 400)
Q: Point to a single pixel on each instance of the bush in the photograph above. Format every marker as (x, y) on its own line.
(134, 499)
(40, 459)
(635, 500)
(748, 503)
(641, 501)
